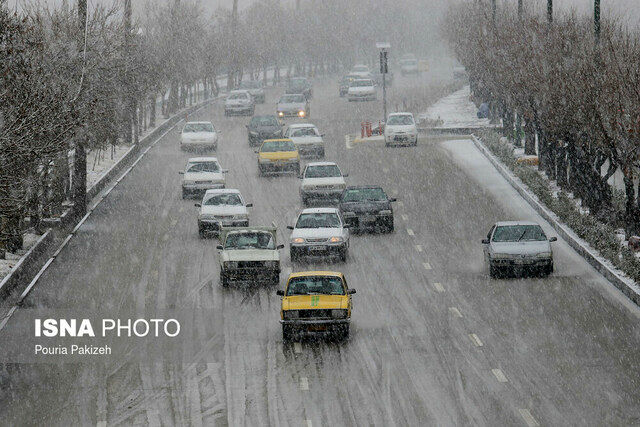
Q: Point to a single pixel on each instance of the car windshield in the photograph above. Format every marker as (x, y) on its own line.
(518, 233)
(304, 132)
(250, 240)
(273, 146)
(360, 68)
(231, 199)
(255, 84)
(312, 285)
(290, 99)
(238, 96)
(400, 120)
(361, 83)
(198, 127)
(364, 194)
(318, 220)
(264, 121)
(323, 171)
(203, 167)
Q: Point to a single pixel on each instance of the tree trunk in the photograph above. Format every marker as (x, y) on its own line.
(152, 111)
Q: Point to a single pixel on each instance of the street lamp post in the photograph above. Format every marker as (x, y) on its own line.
(550, 11)
(596, 19)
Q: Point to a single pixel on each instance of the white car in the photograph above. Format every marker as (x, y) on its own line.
(199, 135)
(249, 253)
(319, 232)
(222, 208)
(202, 174)
(239, 102)
(307, 138)
(362, 90)
(322, 180)
(400, 129)
(409, 65)
(518, 246)
(293, 105)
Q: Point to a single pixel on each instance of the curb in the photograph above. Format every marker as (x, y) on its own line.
(22, 268)
(626, 285)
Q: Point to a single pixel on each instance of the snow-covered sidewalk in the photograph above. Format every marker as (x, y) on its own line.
(453, 112)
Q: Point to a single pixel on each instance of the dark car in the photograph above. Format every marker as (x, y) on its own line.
(263, 127)
(367, 207)
(299, 85)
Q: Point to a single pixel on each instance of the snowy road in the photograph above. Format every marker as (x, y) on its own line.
(434, 341)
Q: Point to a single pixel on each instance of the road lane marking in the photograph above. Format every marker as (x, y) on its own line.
(476, 340)
(438, 287)
(528, 418)
(304, 383)
(347, 142)
(309, 424)
(385, 170)
(455, 311)
(499, 375)
(410, 232)
(419, 248)
(426, 265)
(297, 347)
(405, 218)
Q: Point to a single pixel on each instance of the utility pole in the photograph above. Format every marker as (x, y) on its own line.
(550, 11)
(596, 19)
(234, 46)
(493, 10)
(520, 9)
(384, 69)
(79, 193)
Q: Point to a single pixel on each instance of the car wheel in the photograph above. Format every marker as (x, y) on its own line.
(321, 153)
(305, 201)
(415, 143)
(343, 255)
(224, 280)
(184, 194)
(493, 271)
(226, 113)
(287, 333)
(390, 226)
(201, 233)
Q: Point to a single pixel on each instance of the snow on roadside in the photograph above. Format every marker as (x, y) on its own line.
(103, 163)
(455, 111)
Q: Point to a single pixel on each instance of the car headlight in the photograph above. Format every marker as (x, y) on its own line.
(188, 182)
(544, 255)
(350, 214)
(291, 314)
(301, 113)
(297, 240)
(336, 239)
(272, 264)
(339, 313)
(385, 212)
(253, 133)
(231, 264)
(207, 216)
(280, 113)
(501, 256)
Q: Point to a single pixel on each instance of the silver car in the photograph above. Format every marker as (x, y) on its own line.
(519, 247)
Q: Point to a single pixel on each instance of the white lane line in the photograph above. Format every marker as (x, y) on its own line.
(64, 243)
(528, 418)
(297, 347)
(499, 375)
(410, 232)
(347, 142)
(8, 316)
(455, 312)
(309, 424)
(385, 170)
(476, 340)
(426, 265)
(438, 287)
(419, 248)
(33, 282)
(405, 218)
(304, 383)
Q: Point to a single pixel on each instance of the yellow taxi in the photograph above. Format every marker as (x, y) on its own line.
(278, 155)
(316, 301)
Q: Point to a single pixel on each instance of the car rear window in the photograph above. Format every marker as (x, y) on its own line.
(364, 194)
(249, 240)
(518, 233)
(198, 127)
(402, 120)
(323, 171)
(288, 99)
(274, 146)
(323, 285)
(203, 167)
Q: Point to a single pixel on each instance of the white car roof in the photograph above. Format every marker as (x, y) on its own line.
(363, 80)
(198, 123)
(222, 191)
(499, 223)
(202, 159)
(401, 114)
(322, 164)
(320, 210)
(302, 125)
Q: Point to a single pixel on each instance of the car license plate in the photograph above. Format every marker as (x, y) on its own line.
(318, 248)
(399, 138)
(317, 327)
(368, 218)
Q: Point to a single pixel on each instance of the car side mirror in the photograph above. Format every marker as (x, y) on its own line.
(485, 241)
(344, 175)
(257, 151)
(351, 291)
(322, 135)
(289, 227)
(197, 205)
(249, 205)
(393, 199)
(280, 247)
(181, 173)
(219, 247)
(280, 292)
(553, 239)
(225, 170)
